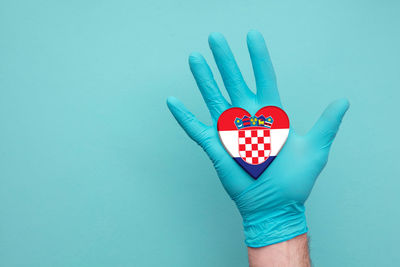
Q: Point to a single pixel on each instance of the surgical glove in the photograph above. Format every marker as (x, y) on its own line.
(272, 206)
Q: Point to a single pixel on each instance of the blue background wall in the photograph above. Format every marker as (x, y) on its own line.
(94, 171)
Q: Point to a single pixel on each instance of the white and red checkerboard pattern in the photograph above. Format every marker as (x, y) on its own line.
(254, 145)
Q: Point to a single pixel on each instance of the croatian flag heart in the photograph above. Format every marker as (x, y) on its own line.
(253, 141)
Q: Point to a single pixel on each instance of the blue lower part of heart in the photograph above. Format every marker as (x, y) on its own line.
(254, 170)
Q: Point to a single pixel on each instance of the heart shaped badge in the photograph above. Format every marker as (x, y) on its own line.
(253, 141)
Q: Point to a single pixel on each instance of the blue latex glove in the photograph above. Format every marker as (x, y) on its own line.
(272, 206)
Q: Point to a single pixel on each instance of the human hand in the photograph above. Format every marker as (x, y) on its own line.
(272, 206)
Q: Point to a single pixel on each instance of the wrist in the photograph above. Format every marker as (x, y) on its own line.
(279, 226)
(269, 216)
(293, 252)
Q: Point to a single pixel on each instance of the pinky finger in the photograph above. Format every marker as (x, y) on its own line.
(195, 129)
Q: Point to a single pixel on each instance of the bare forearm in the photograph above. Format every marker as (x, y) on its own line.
(291, 253)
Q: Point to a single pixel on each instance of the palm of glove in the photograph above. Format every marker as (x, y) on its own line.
(285, 185)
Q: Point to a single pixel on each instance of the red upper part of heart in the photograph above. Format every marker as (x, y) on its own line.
(226, 121)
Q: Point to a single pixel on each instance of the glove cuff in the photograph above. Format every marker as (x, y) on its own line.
(285, 224)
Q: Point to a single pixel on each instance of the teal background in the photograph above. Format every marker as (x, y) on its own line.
(94, 171)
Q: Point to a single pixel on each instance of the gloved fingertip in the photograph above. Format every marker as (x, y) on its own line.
(254, 35)
(172, 101)
(341, 106)
(344, 102)
(215, 38)
(195, 58)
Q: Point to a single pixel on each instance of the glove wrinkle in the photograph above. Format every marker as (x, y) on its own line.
(269, 217)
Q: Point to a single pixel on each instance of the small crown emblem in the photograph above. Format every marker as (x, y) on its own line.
(254, 121)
